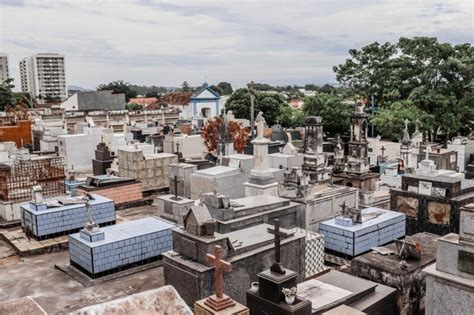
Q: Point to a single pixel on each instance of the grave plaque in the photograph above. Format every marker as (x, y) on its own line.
(439, 192)
(465, 262)
(424, 188)
(413, 189)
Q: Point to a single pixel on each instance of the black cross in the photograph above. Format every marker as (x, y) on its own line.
(177, 150)
(383, 150)
(343, 206)
(175, 181)
(277, 266)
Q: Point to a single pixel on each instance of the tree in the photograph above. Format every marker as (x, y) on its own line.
(211, 134)
(291, 118)
(153, 94)
(119, 87)
(270, 104)
(434, 76)
(217, 89)
(390, 120)
(331, 108)
(225, 87)
(10, 99)
(7, 96)
(185, 87)
(134, 106)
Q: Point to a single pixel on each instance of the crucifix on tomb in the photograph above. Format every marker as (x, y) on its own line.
(277, 266)
(343, 206)
(383, 150)
(177, 150)
(175, 181)
(219, 300)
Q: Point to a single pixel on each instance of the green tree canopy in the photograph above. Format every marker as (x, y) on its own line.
(185, 87)
(225, 88)
(333, 110)
(270, 104)
(290, 117)
(8, 98)
(134, 106)
(118, 87)
(390, 120)
(435, 77)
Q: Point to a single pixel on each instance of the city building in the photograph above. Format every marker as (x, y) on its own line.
(43, 76)
(3, 67)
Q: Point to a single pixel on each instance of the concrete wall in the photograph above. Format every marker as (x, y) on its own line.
(79, 150)
(446, 297)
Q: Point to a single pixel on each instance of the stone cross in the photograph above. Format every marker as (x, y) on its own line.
(343, 206)
(406, 124)
(177, 150)
(175, 182)
(277, 266)
(220, 267)
(383, 150)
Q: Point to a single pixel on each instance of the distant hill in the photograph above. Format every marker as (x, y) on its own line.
(77, 88)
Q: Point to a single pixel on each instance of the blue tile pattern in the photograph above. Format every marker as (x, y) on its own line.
(360, 238)
(123, 244)
(43, 221)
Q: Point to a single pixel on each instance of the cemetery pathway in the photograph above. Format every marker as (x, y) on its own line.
(58, 293)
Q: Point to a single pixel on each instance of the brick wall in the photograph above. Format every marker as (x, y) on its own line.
(20, 134)
(120, 194)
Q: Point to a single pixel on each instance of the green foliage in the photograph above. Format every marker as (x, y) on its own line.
(390, 120)
(332, 109)
(290, 117)
(435, 77)
(149, 91)
(270, 104)
(10, 98)
(134, 106)
(225, 88)
(185, 87)
(217, 89)
(119, 87)
(154, 94)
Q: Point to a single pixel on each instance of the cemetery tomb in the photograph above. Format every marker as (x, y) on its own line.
(151, 169)
(64, 216)
(125, 192)
(400, 267)
(119, 246)
(334, 289)
(450, 280)
(431, 203)
(377, 227)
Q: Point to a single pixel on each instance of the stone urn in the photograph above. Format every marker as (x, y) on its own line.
(254, 287)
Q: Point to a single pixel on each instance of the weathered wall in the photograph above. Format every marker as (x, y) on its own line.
(119, 194)
(20, 134)
(446, 297)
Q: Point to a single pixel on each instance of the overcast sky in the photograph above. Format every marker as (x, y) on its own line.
(166, 42)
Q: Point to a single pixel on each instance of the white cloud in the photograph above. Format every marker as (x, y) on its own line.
(165, 43)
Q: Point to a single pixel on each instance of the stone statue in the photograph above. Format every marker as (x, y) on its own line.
(260, 124)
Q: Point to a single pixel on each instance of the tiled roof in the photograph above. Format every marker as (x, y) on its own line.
(143, 100)
(172, 98)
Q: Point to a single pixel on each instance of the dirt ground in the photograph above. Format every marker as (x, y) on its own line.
(56, 291)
